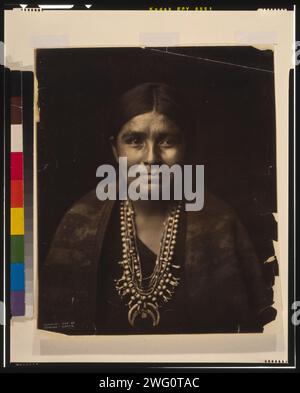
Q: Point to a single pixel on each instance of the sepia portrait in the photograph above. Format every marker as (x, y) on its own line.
(136, 266)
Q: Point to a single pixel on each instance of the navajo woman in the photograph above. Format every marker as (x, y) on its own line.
(148, 266)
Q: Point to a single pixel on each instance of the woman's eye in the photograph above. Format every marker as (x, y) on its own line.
(168, 142)
(134, 141)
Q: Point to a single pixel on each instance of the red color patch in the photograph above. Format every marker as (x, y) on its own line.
(16, 193)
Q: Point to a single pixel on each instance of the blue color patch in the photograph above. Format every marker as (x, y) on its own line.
(17, 277)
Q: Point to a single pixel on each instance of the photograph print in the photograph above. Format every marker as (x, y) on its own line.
(156, 190)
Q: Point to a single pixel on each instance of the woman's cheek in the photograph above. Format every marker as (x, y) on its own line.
(172, 156)
(130, 153)
(134, 156)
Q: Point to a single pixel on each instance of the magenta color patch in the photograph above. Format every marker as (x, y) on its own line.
(16, 166)
(17, 303)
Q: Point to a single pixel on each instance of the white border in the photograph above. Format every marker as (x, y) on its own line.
(20, 57)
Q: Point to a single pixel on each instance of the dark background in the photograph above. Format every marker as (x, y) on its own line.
(232, 102)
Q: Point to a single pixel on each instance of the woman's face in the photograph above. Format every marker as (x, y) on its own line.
(148, 139)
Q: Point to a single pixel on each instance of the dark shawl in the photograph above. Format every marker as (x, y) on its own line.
(225, 280)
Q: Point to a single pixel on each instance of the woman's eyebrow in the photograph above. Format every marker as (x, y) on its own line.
(164, 134)
(133, 133)
(144, 134)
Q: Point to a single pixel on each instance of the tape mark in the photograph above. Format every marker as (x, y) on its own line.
(159, 38)
(42, 41)
(256, 37)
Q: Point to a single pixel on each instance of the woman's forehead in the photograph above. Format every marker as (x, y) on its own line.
(150, 122)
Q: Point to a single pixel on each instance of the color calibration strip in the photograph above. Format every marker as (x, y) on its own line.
(17, 268)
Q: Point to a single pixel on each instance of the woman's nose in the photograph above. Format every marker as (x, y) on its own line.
(151, 156)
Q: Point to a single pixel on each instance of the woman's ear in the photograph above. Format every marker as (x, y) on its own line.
(112, 141)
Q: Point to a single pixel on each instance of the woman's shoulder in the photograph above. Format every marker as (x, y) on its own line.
(214, 203)
(87, 206)
(216, 220)
(215, 208)
(79, 225)
(87, 209)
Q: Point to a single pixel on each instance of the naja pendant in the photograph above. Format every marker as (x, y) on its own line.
(143, 311)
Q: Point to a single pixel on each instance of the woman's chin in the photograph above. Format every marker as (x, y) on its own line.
(152, 190)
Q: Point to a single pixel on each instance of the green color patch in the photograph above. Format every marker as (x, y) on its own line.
(17, 248)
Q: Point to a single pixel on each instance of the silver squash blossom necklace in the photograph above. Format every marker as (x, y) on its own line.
(145, 300)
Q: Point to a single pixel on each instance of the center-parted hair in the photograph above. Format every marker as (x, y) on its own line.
(148, 97)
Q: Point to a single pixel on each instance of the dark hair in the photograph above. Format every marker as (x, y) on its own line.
(146, 98)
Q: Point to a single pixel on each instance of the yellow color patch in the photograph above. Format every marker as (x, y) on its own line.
(17, 221)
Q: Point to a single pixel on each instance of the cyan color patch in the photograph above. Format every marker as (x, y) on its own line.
(17, 277)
